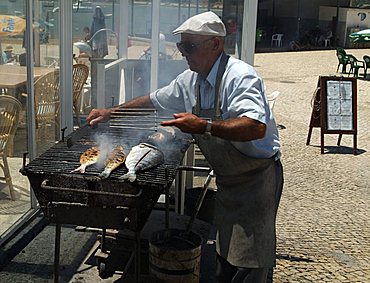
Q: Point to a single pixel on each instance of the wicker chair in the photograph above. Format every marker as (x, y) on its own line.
(47, 102)
(10, 109)
(80, 75)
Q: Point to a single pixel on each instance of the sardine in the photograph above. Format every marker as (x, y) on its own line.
(141, 157)
(115, 159)
(89, 157)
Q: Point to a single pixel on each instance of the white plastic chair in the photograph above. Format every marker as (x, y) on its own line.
(272, 98)
(277, 39)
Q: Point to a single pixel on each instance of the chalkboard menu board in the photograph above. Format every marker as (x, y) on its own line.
(335, 108)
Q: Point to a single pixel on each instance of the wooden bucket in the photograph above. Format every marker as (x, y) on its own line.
(175, 256)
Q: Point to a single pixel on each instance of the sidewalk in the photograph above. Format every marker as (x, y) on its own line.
(323, 220)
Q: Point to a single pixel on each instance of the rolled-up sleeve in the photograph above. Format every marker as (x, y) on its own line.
(244, 95)
(178, 96)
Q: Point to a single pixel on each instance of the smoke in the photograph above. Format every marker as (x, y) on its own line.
(167, 139)
(107, 143)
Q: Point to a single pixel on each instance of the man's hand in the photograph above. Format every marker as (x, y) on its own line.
(187, 123)
(97, 116)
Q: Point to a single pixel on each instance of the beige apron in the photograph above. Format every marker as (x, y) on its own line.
(248, 192)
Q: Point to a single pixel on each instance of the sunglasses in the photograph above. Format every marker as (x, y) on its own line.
(189, 47)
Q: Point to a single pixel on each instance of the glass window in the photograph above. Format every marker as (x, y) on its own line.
(15, 196)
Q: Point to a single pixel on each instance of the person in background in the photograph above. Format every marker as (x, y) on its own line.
(99, 43)
(147, 53)
(8, 56)
(162, 46)
(327, 34)
(87, 34)
(221, 101)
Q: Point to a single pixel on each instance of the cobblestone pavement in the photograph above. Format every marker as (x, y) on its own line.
(323, 220)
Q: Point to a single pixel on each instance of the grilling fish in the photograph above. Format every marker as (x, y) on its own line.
(142, 156)
(115, 159)
(89, 157)
(162, 136)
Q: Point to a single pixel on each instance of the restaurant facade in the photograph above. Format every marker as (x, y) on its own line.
(45, 39)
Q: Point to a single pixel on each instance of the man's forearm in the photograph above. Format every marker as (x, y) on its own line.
(239, 129)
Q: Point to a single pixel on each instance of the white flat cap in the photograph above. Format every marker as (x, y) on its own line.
(207, 23)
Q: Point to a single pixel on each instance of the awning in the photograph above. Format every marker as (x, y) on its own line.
(360, 36)
(11, 25)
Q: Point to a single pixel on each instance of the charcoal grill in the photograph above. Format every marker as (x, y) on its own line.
(87, 199)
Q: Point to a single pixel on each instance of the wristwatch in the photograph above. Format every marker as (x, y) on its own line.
(208, 128)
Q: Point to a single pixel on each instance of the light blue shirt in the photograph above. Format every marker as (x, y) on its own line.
(242, 95)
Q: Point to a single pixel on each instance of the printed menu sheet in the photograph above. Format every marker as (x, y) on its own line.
(339, 105)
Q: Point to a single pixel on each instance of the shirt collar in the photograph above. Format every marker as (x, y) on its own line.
(212, 75)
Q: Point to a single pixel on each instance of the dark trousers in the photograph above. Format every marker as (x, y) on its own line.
(227, 273)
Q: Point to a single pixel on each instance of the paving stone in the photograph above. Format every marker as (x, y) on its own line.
(325, 204)
(323, 224)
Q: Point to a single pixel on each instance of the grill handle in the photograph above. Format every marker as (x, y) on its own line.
(194, 168)
(47, 187)
(63, 133)
(22, 170)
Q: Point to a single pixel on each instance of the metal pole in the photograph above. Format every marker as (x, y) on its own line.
(137, 256)
(31, 129)
(179, 12)
(273, 15)
(58, 229)
(249, 31)
(66, 60)
(189, 8)
(132, 17)
(123, 31)
(155, 46)
(113, 8)
(123, 45)
(36, 18)
(100, 85)
(336, 26)
(31, 123)
(298, 18)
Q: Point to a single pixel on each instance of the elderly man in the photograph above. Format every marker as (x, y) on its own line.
(221, 101)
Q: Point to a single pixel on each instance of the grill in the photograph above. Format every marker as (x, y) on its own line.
(87, 199)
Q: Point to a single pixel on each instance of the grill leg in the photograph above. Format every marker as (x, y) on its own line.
(167, 203)
(137, 257)
(103, 237)
(57, 252)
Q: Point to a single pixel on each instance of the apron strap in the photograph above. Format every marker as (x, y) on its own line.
(220, 73)
(217, 103)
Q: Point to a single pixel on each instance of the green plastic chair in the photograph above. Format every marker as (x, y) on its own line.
(341, 51)
(355, 65)
(367, 64)
(344, 61)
